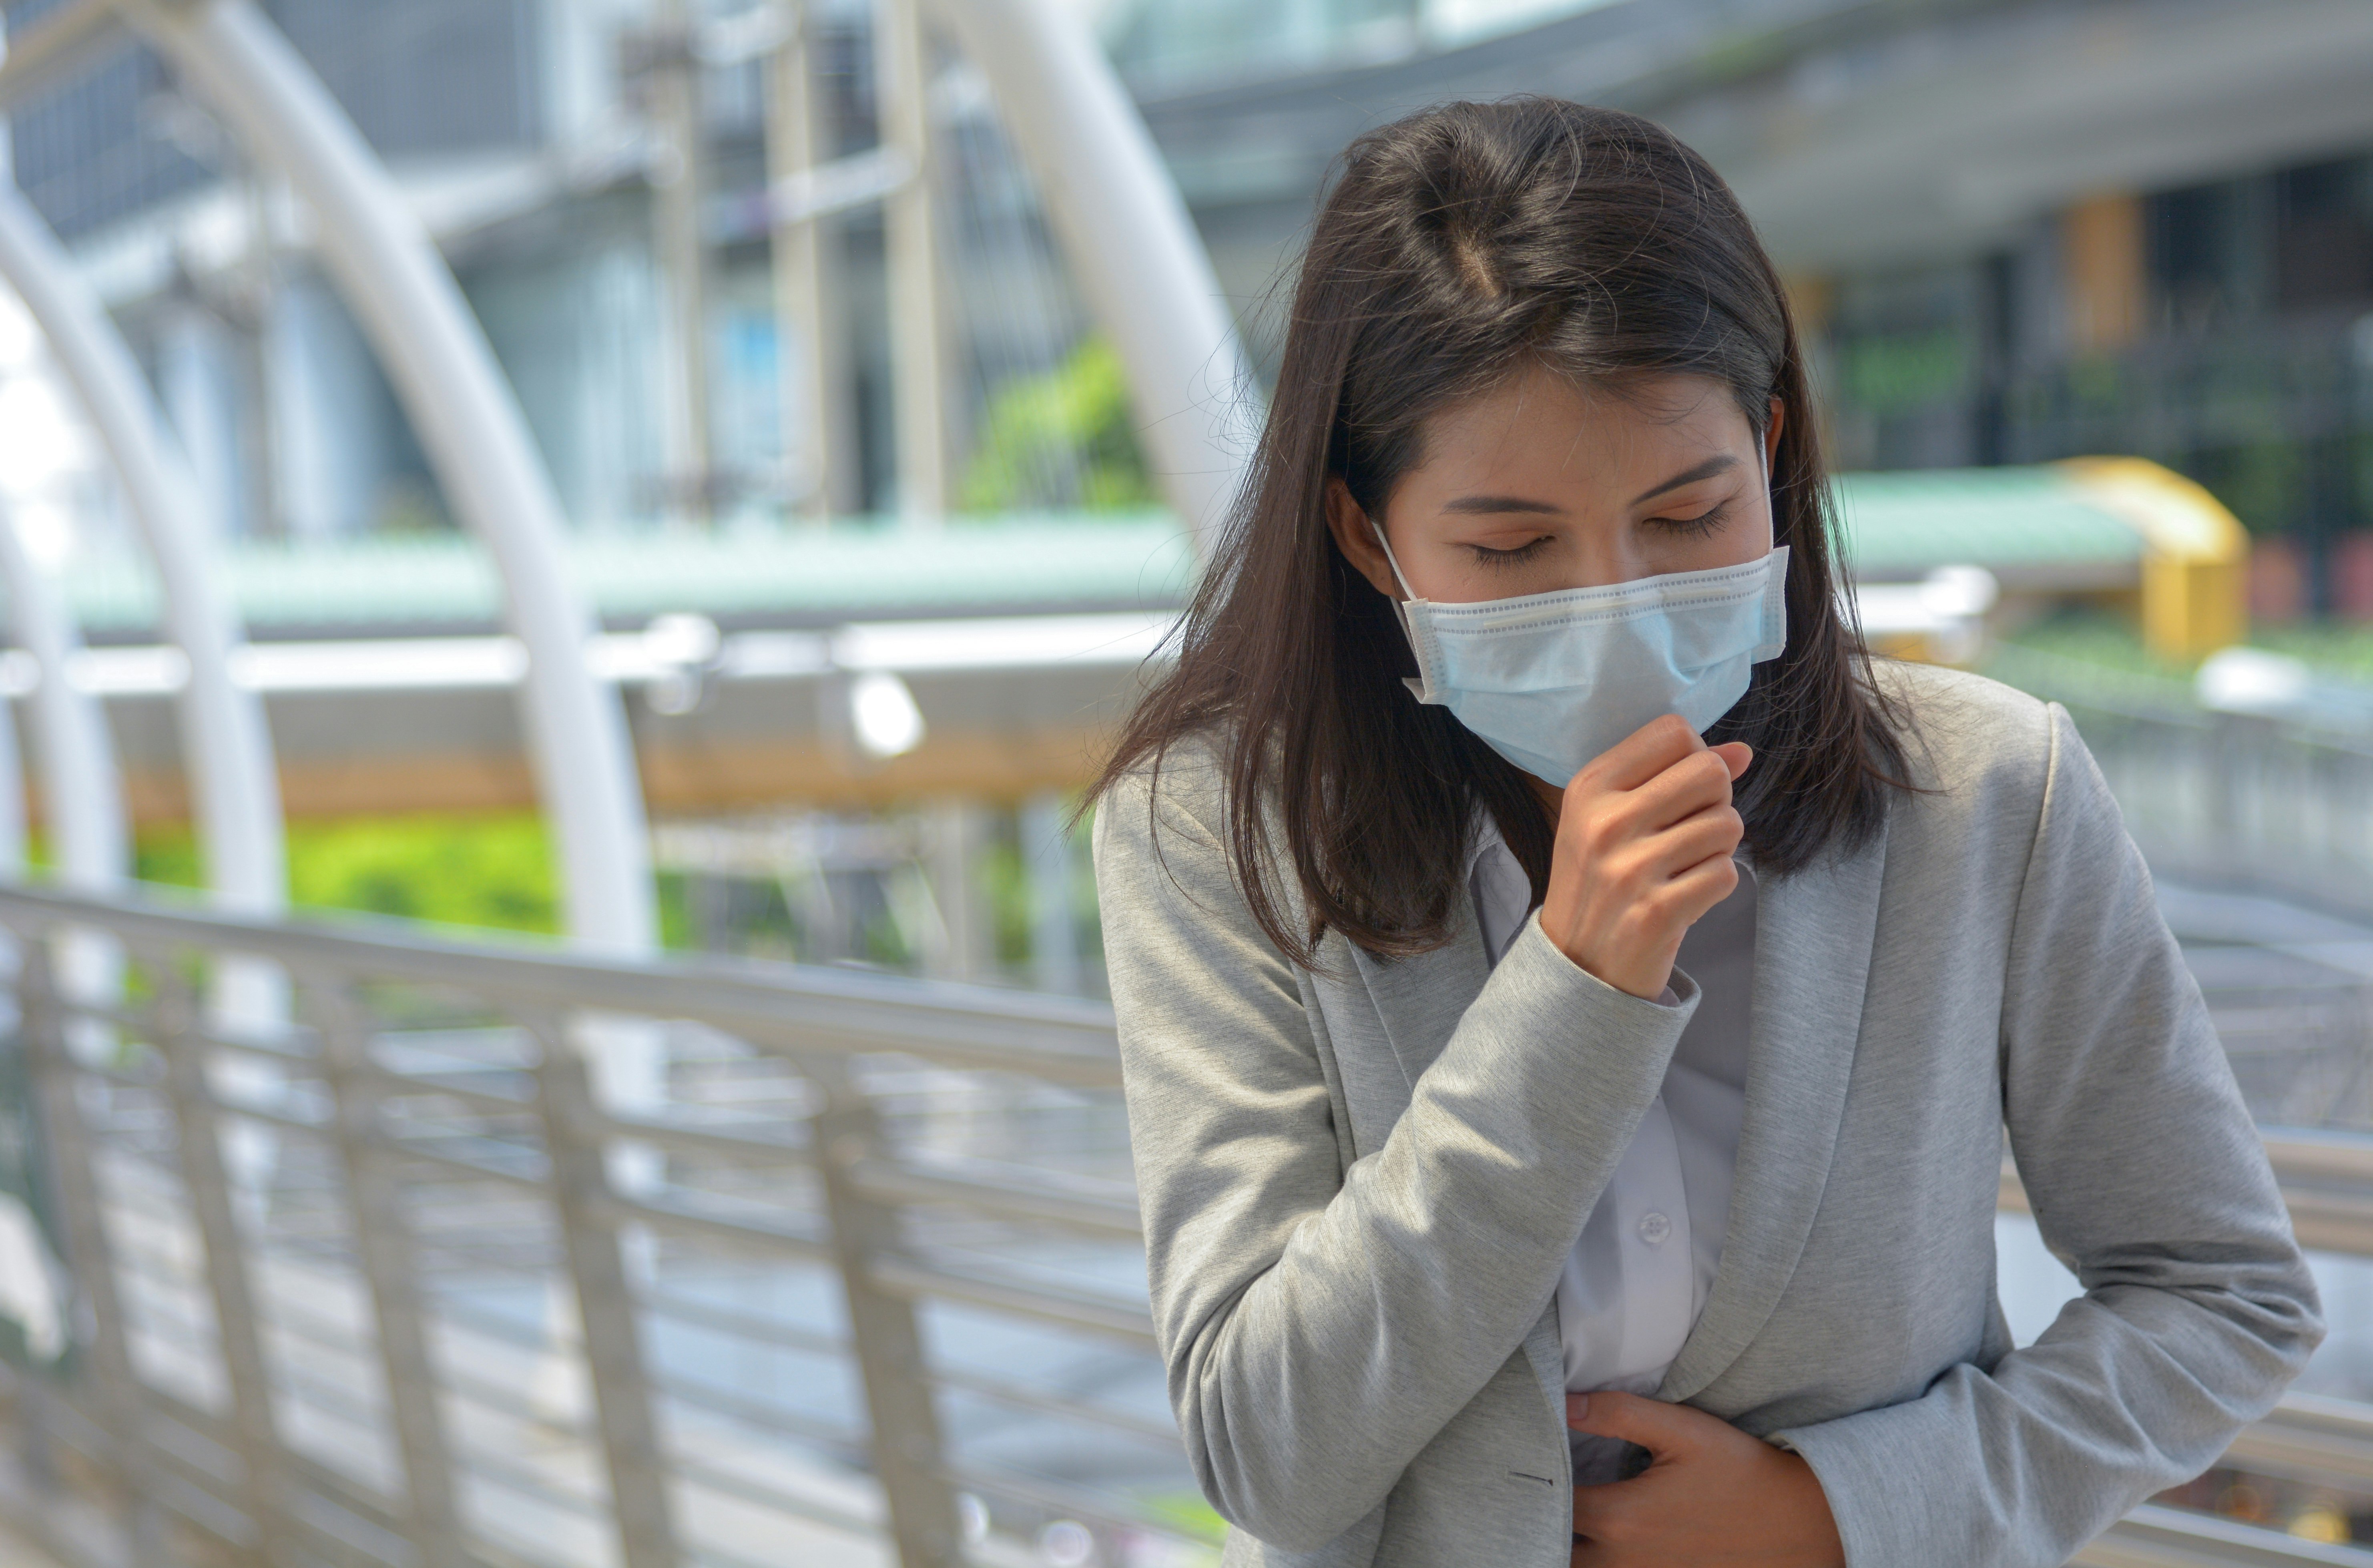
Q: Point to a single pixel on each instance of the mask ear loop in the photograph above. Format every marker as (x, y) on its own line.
(1384, 545)
(1422, 687)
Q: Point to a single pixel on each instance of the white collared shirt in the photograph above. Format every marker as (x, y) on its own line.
(1639, 1275)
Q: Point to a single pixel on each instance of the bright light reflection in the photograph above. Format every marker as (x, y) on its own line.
(20, 341)
(1458, 21)
(883, 713)
(41, 442)
(46, 530)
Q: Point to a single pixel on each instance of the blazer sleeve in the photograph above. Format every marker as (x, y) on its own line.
(1321, 1323)
(2148, 1175)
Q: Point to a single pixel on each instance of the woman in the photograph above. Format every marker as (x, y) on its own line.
(1571, 1000)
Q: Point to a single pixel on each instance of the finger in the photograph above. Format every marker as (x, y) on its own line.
(1690, 841)
(1686, 898)
(1641, 863)
(1738, 753)
(1602, 1512)
(1641, 756)
(1695, 782)
(1622, 1520)
(1662, 1428)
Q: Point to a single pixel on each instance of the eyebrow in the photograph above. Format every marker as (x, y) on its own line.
(1721, 463)
(1500, 504)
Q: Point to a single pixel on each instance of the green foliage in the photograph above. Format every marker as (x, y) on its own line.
(1904, 370)
(2337, 648)
(1187, 1512)
(489, 870)
(2261, 482)
(2111, 642)
(1042, 430)
(2334, 649)
(1005, 884)
(168, 857)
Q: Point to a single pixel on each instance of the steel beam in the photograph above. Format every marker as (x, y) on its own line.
(206, 1185)
(809, 353)
(582, 1195)
(917, 304)
(389, 1262)
(122, 1405)
(679, 200)
(908, 1459)
(65, 37)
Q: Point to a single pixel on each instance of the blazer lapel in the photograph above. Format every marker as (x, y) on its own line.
(1813, 936)
(1418, 1001)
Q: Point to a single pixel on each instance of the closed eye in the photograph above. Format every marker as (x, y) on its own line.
(1704, 522)
(1486, 556)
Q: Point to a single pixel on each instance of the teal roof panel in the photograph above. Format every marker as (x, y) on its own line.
(787, 576)
(2013, 522)
(2027, 524)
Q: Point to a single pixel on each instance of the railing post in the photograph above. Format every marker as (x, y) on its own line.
(613, 1358)
(198, 1143)
(384, 1252)
(121, 1411)
(889, 1342)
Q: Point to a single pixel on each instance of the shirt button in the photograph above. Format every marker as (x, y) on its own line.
(1655, 1227)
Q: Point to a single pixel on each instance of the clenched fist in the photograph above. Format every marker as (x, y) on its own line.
(1645, 837)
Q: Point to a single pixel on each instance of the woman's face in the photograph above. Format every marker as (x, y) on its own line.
(1540, 486)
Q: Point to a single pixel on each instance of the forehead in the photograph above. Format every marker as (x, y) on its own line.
(1553, 428)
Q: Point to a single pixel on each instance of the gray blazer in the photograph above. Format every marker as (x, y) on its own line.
(1358, 1184)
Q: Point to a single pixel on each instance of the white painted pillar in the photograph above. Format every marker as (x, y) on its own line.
(919, 357)
(235, 790)
(809, 353)
(469, 422)
(329, 449)
(82, 795)
(678, 200)
(304, 485)
(13, 779)
(958, 834)
(198, 387)
(1130, 244)
(1049, 862)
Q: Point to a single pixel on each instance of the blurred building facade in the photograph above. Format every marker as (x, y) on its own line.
(541, 140)
(2017, 229)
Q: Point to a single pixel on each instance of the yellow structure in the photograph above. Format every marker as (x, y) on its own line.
(2104, 274)
(2196, 564)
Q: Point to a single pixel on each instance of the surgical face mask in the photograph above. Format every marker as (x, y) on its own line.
(1551, 680)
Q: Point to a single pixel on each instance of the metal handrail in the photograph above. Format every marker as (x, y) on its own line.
(1064, 1039)
(357, 1221)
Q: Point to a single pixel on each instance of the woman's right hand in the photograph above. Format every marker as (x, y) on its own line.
(1645, 837)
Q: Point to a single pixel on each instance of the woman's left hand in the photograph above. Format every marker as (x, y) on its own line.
(1713, 1495)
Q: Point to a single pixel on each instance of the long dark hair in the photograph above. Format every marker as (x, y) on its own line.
(1454, 249)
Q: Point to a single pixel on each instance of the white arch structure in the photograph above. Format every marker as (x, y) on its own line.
(12, 805)
(235, 790)
(1114, 207)
(477, 440)
(90, 829)
(90, 845)
(1134, 251)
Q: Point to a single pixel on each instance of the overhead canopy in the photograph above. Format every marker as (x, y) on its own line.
(2032, 528)
(795, 576)
(2057, 529)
